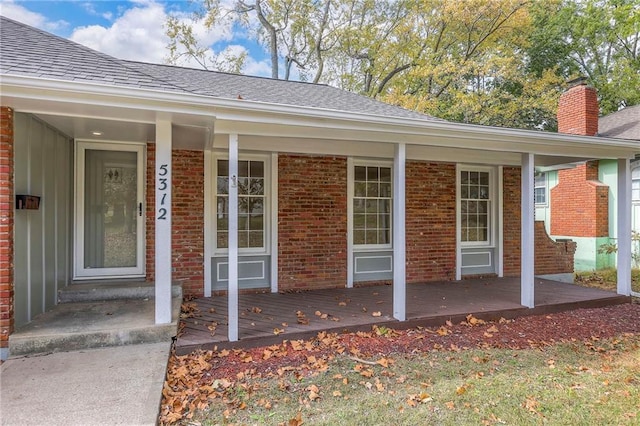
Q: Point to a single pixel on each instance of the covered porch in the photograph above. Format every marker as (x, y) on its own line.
(266, 319)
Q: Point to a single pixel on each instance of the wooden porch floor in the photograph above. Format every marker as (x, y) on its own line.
(339, 310)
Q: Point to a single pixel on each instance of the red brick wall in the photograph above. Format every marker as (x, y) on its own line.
(430, 221)
(579, 203)
(187, 205)
(578, 111)
(512, 220)
(6, 226)
(552, 257)
(312, 222)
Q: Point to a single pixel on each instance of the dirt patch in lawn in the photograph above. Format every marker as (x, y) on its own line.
(194, 379)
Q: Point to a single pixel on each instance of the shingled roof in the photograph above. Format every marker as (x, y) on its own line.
(623, 124)
(27, 51)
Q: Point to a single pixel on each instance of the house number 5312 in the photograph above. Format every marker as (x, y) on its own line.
(163, 185)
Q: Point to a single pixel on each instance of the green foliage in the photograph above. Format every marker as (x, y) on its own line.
(612, 247)
(491, 62)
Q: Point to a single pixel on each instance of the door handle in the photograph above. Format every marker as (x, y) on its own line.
(139, 209)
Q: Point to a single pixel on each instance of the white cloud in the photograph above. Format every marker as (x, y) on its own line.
(138, 34)
(21, 14)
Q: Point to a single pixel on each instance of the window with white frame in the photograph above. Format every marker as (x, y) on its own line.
(475, 204)
(372, 203)
(635, 184)
(251, 204)
(540, 188)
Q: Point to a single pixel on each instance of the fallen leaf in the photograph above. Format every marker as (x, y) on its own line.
(278, 331)
(296, 421)
(256, 310)
(376, 314)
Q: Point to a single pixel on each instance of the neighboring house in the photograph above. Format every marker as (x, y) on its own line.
(227, 182)
(579, 201)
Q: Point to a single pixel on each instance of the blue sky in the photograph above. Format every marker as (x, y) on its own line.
(131, 29)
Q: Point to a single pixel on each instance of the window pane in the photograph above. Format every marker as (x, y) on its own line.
(255, 205)
(256, 186)
(372, 173)
(223, 185)
(473, 192)
(383, 236)
(385, 174)
(256, 222)
(384, 206)
(223, 223)
(358, 205)
(384, 221)
(243, 222)
(243, 239)
(358, 221)
(484, 178)
(464, 178)
(223, 203)
(371, 237)
(474, 178)
(372, 206)
(371, 221)
(359, 189)
(243, 186)
(223, 168)
(360, 173)
(484, 192)
(243, 169)
(385, 190)
(243, 205)
(358, 236)
(464, 192)
(257, 169)
(256, 239)
(372, 190)
(223, 239)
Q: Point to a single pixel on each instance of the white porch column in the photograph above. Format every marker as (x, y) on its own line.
(233, 238)
(527, 239)
(163, 221)
(624, 227)
(399, 243)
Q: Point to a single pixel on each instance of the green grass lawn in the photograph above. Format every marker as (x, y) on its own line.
(606, 279)
(580, 383)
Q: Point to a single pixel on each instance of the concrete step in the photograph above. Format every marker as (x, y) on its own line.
(95, 324)
(111, 290)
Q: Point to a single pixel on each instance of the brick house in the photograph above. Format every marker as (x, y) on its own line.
(578, 201)
(227, 183)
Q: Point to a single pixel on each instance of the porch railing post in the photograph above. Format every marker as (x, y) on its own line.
(163, 183)
(624, 227)
(399, 243)
(527, 239)
(233, 238)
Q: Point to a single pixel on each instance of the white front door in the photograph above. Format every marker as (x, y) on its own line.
(109, 226)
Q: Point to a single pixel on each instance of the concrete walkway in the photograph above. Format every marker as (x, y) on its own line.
(108, 386)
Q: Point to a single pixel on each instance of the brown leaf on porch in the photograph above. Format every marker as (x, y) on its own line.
(212, 327)
(302, 319)
(342, 304)
(256, 310)
(376, 314)
(278, 331)
(212, 310)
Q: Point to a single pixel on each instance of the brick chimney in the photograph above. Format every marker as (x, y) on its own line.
(578, 109)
